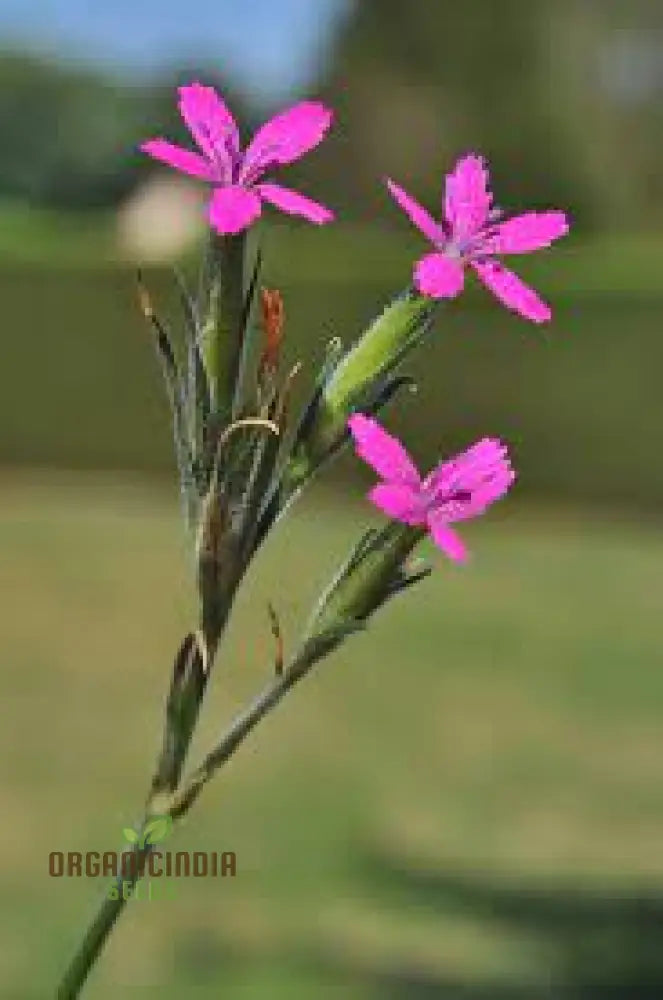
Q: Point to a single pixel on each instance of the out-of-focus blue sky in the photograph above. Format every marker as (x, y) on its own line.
(272, 47)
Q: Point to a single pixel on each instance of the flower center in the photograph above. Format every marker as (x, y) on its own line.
(253, 166)
(223, 149)
(471, 245)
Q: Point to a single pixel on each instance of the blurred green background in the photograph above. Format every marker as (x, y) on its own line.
(468, 800)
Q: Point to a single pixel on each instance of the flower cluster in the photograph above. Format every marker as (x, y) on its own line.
(471, 232)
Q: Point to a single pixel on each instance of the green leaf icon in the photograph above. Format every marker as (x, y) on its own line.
(157, 829)
(130, 835)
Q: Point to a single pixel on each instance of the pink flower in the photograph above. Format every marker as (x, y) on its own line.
(455, 490)
(235, 175)
(471, 233)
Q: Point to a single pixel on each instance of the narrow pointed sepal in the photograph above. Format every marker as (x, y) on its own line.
(375, 571)
(179, 406)
(186, 692)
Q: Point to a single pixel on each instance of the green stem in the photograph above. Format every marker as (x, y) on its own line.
(373, 574)
(99, 930)
(223, 306)
(178, 804)
(311, 652)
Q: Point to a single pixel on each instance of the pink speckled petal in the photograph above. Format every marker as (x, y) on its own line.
(467, 197)
(294, 203)
(285, 138)
(417, 214)
(183, 160)
(464, 486)
(233, 209)
(512, 292)
(439, 276)
(447, 539)
(398, 501)
(527, 232)
(211, 124)
(459, 472)
(384, 453)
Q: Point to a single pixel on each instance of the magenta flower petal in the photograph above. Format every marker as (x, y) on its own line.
(467, 470)
(511, 291)
(464, 486)
(418, 215)
(439, 276)
(232, 209)
(446, 538)
(210, 122)
(181, 159)
(467, 197)
(399, 501)
(294, 203)
(285, 138)
(486, 494)
(527, 232)
(384, 453)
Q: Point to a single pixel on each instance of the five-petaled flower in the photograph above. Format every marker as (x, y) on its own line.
(236, 175)
(472, 233)
(458, 489)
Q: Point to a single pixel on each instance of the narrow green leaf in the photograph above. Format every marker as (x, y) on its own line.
(178, 405)
(246, 338)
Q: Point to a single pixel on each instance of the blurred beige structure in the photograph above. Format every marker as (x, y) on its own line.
(161, 219)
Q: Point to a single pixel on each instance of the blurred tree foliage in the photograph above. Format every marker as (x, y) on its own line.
(69, 135)
(535, 86)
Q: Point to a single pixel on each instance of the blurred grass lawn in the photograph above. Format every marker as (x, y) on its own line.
(500, 724)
